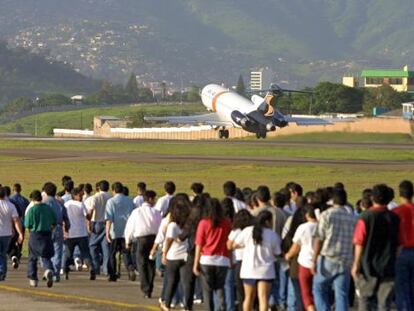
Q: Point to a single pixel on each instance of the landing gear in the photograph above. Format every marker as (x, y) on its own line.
(261, 134)
(224, 134)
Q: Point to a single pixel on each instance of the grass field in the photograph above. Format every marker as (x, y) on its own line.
(33, 174)
(83, 118)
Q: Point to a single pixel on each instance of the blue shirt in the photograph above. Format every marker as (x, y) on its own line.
(118, 209)
(61, 214)
(21, 203)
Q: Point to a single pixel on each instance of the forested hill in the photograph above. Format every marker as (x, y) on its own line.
(26, 74)
(200, 40)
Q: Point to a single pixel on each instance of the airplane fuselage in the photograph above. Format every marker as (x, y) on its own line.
(234, 108)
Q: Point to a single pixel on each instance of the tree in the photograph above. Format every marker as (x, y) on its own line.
(241, 88)
(193, 94)
(384, 96)
(131, 88)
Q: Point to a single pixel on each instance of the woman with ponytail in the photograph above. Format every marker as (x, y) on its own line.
(261, 246)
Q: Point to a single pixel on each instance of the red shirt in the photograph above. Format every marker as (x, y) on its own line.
(406, 214)
(213, 239)
(360, 232)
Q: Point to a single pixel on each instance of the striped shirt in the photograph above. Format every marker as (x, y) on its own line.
(335, 230)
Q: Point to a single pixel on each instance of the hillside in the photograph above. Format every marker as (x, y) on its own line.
(26, 74)
(215, 40)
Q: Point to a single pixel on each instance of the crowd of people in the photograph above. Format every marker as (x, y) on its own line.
(250, 250)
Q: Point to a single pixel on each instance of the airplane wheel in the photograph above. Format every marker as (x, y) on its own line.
(264, 134)
(258, 135)
(221, 134)
(226, 134)
(261, 135)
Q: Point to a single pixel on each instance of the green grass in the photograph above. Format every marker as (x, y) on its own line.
(347, 137)
(83, 118)
(33, 174)
(210, 149)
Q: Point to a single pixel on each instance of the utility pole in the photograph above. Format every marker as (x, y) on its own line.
(35, 129)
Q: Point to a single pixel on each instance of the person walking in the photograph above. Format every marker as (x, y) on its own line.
(62, 227)
(376, 243)
(212, 258)
(78, 234)
(98, 244)
(40, 220)
(260, 246)
(404, 278)
(303, 246)
(118, 209)
(143, 225)
(332, 258)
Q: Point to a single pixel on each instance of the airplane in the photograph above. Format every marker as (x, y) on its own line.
(229, 109)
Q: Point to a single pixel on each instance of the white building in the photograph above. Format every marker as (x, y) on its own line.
(261, 79)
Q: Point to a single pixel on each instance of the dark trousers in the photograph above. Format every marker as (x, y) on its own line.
(146, 267)
(239, 287)
(180, 271)
(213, 279)
(83, 244)
(40, 245)
(118, 245)
(374, 293)
(15, 249)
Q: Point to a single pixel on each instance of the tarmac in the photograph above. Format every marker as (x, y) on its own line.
(77, 293)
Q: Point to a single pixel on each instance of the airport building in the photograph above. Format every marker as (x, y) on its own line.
(399, 80)
(261, 79)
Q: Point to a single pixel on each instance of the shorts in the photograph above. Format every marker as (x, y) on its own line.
(253, 282)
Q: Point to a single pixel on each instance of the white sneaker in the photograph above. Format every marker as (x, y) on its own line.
(61, 272)
(78, 264)
(198, 301)
(85, 267)
(33, 283)
(49, 278)
(15, 262)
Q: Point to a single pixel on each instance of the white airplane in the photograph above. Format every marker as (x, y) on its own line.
(229, 109)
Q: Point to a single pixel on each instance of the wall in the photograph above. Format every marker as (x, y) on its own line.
(364, 125)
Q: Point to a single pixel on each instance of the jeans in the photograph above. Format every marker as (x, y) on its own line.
(40, 245)
(4, 246)
(294, 301)
(97, 246)
(239, 287)
(283, 284)
(57, 259)
(404, 280)
(274, 292)
(230, 289)
(331, 274)
(213, 279)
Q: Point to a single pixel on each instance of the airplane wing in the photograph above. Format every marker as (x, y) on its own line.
(307, 121)
(212, 119)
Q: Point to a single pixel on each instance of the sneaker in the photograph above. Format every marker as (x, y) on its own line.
(56, 278)
(15, 262)
(78, 264)
(197, 301)
(62, 272)
(33, 283)
(85, 267)
(164, 307)
(49, 278)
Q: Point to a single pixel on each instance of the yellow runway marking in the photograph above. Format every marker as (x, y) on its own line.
(74, 298)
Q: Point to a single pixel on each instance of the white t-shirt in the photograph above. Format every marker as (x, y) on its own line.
(304, 237)
(238, 205)
(178, 249)
(77, 216)
(238, 253)
(259, 260)
(7, 213)
(162, 204)
(138, 200)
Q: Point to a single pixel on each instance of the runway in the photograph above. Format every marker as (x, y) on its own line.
(52, 155)
(268, 142)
